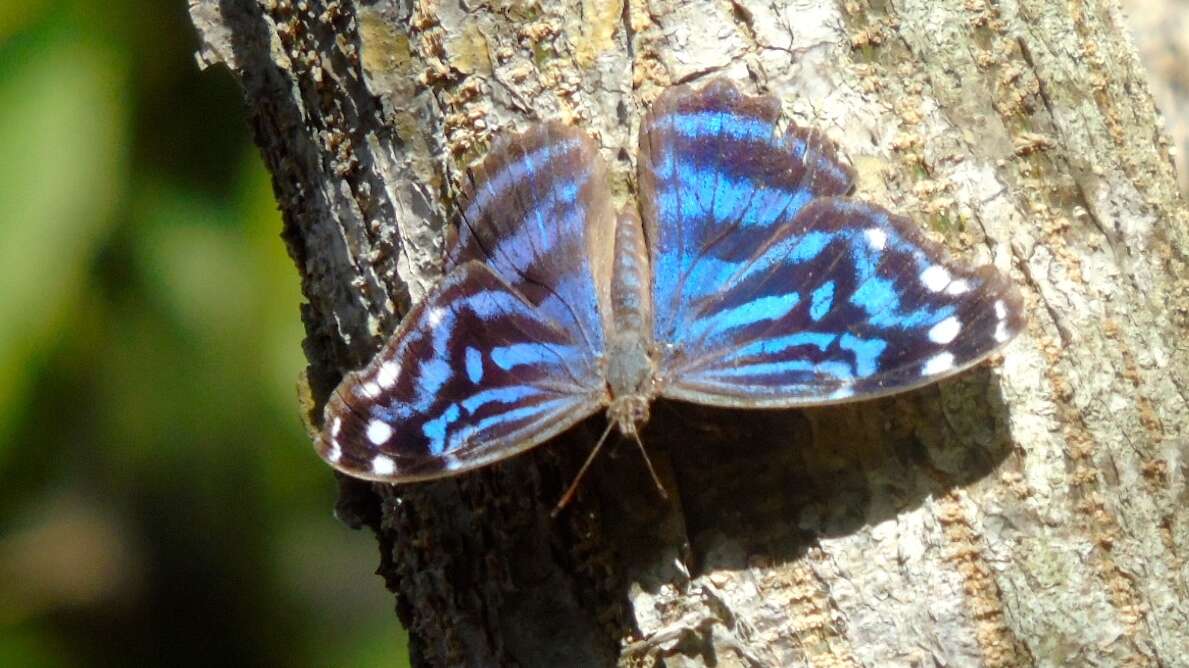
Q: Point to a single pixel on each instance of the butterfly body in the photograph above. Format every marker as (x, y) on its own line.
(631, 356)
(748, 279)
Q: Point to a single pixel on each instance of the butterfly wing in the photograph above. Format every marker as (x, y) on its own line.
(474, 374)
(717, 181)
(848, 302)
(538, 211)
(507, 351)
(813, 298)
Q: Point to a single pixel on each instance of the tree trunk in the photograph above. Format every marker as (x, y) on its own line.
(1030, 512)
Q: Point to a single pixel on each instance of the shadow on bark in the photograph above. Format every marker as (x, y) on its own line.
(746, 488)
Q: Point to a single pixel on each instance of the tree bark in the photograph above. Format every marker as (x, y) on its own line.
(1030, 512)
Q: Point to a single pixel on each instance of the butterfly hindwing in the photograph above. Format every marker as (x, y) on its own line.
(538, 212)
(474, 374)
(849, 302)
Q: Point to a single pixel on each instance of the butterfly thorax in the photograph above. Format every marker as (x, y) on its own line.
(630, 371)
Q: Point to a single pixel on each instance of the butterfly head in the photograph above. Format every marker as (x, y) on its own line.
(629, 413)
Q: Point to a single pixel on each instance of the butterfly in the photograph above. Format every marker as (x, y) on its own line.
(747, 278)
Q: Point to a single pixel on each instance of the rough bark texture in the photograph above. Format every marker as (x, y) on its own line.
(1161, 30)
(1029, 513)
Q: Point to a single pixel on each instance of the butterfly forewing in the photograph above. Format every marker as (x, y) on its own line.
(538, 212)
(717, 181)
(770, 289)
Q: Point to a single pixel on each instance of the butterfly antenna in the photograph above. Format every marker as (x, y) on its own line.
(655, 478)
(569, 495)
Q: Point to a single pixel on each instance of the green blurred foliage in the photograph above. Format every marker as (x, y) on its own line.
(161, 504)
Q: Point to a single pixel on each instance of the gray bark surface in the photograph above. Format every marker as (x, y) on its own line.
(1029, 513)
(1161, 31)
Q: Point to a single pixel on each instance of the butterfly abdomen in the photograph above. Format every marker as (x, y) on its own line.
(631, 303)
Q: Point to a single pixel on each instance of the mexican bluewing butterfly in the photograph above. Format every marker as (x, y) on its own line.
(752, 281)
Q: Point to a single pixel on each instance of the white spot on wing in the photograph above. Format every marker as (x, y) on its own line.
(383, 465)
(386, 378)
(335, 453)
(434, 317)
(945, 331)
(370, 390)
(876, 238)
(1000, 309)
(1001, 334)
(378, 432)
(939, 363)
(450, 462)
(336, 427)
(935, 277)
(958, 287)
